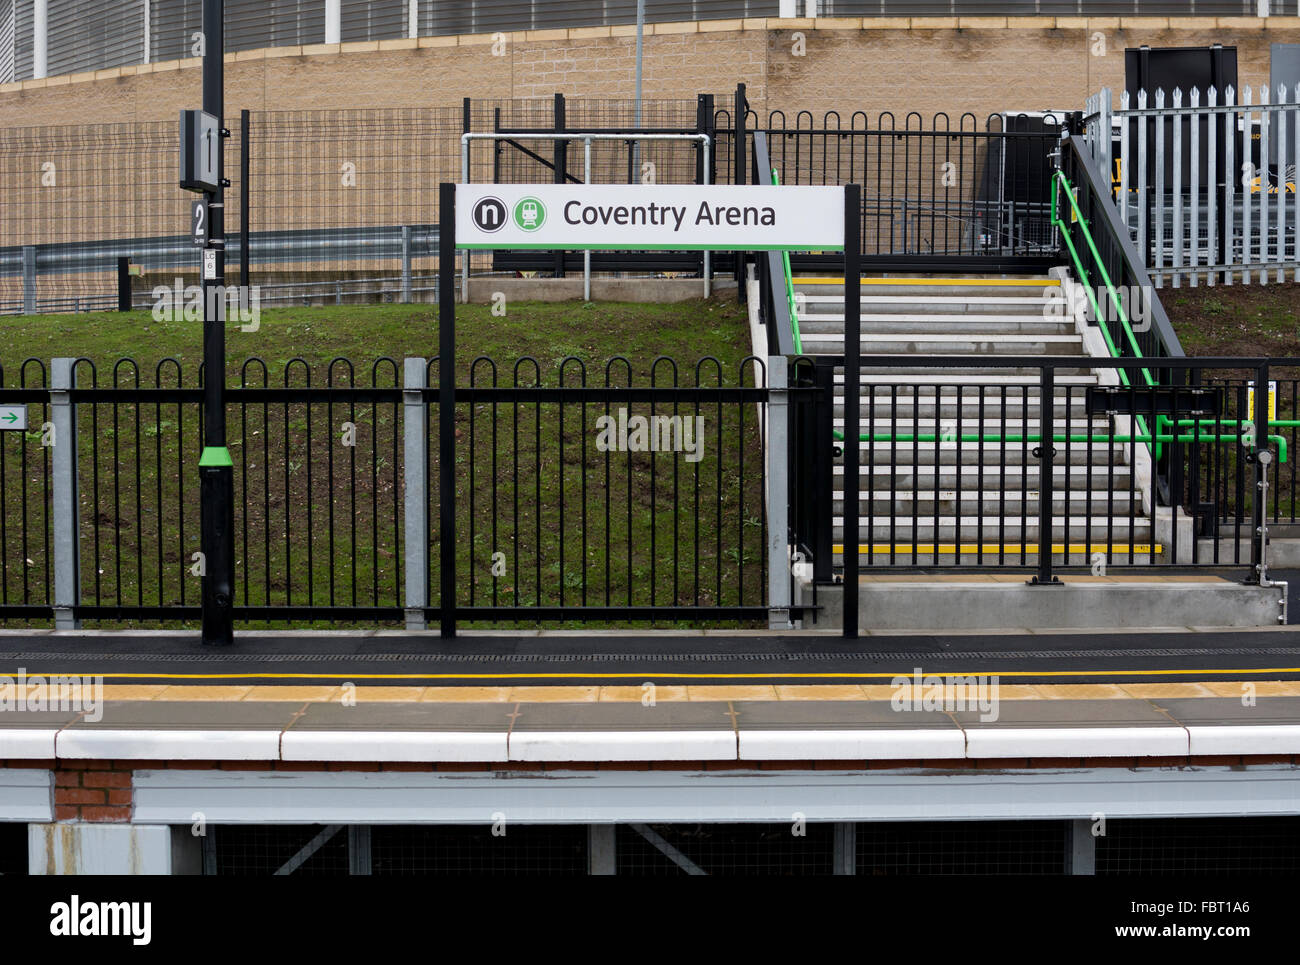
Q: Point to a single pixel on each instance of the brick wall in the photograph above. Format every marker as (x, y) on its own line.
(920, 64)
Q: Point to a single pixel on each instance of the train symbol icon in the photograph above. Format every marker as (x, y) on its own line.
(530, 214)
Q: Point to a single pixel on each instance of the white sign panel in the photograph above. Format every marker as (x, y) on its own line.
(209, 264)
(13, 417)
(649, 216)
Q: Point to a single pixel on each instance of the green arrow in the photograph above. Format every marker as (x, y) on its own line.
(11, 417)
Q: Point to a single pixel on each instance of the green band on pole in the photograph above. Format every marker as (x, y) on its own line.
(215, 456)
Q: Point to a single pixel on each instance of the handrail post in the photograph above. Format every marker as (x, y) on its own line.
(65, 510)
(852, 411)
(1262, 456)
(778, 494)
(415, 478)
(1045, 452)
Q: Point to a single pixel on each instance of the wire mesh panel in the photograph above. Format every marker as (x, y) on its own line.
(270, 849)
(1200, 846)
(82, 196)
(963, 848)
(344, 204)
(726, 849)
(475, 850)
(13, 848)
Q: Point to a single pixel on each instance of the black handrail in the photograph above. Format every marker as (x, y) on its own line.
(773, 306)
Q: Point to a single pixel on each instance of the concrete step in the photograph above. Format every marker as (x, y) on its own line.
(906, 502)
(907, 409)
(814, 302)
(883, 556)
(937, 604)
(972, 289)
(993, 380)
(973, 325)
(903, 455)
(981, 528)
(956, 323)
(973, 478)
(933, 343)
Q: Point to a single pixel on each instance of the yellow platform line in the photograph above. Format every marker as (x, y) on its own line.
(911, 548)
(989, 282)
(658, 676)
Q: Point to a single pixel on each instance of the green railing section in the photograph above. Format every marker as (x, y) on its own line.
(789, 286)
(1164, 425)
(1165, 431)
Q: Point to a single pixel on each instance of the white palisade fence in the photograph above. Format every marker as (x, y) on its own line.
(1205, 181)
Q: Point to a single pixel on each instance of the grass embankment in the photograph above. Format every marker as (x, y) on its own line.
(318, 520)
(1248, 321)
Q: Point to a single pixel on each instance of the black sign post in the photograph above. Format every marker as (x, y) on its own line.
(447, 407)
(216, 472)
(852, 410)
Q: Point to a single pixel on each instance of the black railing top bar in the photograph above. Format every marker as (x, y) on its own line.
(772, 298)
(1086, 174)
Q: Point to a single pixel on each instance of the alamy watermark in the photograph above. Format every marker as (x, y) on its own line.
(656, 433)
(935, 693)
(61, 693)
(185, 303)
(1100, 305)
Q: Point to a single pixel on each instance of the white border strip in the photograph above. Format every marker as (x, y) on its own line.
(587, 797)
(1152, 741)
(975, 742)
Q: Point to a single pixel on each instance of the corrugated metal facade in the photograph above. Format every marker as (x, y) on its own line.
(22, 39)
(92, 34)
(6, 41)
(372, 19)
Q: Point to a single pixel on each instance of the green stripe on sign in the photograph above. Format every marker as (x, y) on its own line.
(215, 456)
(625, 246)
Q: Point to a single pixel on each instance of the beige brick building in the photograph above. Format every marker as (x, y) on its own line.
(982, 65)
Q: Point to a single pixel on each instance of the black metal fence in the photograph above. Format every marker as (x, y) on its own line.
(342, 205)
(938, 193)
(624, 493)
(1045, 454)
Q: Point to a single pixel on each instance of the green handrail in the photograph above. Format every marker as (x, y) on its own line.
(1108, 439)
(789, 286)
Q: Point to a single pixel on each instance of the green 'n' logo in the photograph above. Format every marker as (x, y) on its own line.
(530, 214)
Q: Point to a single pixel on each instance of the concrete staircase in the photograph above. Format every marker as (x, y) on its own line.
(975, 502)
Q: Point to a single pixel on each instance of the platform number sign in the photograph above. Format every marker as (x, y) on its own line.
(200, 151)
(199, 222)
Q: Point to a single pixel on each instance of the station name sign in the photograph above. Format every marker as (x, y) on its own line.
(649, 216)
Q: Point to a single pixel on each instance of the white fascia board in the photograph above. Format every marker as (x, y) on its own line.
(845, 745)
(1027, 742)
(392, 746)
